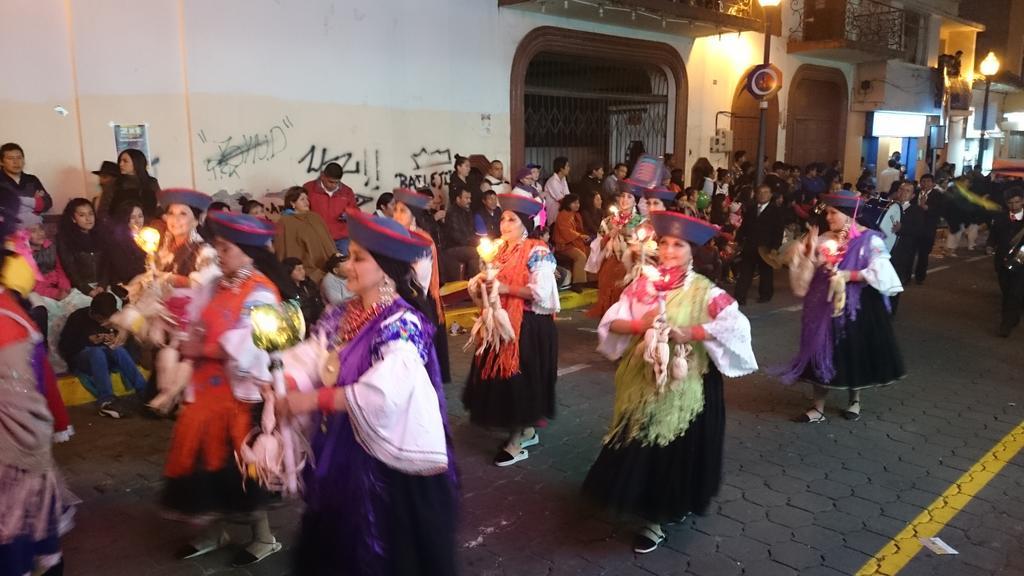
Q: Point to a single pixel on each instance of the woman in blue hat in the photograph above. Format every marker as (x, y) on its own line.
(511, 386)
(380, 489)
(410, 208)
(846, 338)
(184, 254)
(229, 378)
(662, 455)
(616, 257)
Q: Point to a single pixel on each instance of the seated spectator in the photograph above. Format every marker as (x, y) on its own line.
(126, 259)
(80, 249)
(218, 206)
(308, 293)
(135, 183)
(385, 205)
(28, 188)
(302, 233)
(592, 212)
(253, 208)
(460, 241)
(91, 347)
(334, 286)
(430, 220)
(487, 220)
(571, 241)
(54, 284)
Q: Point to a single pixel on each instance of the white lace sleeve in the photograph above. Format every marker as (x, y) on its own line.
(728, 336)
(393, 406)
(880, 274)
(542, 282)
(611, 344)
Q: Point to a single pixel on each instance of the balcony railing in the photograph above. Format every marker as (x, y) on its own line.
(689, 17)
(867, 25)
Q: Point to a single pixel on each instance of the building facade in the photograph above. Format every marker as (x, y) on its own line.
(243, 96)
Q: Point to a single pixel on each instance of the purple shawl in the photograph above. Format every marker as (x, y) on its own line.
(348, 488)
(818, 329)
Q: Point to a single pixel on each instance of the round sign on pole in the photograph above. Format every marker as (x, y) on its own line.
(764, 81)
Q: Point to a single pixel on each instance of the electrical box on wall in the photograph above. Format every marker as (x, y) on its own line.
(721, 142)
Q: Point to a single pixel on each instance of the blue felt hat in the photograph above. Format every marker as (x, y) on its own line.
(520, 204)
(682, 226)
(846, 201)
(240, 229)
(386, 237)
(661, 193)
(186, 196)
(647, 172)
(413, 199)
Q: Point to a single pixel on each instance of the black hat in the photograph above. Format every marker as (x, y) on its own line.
(108, 168)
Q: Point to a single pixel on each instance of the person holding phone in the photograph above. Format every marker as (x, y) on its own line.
(93, 348)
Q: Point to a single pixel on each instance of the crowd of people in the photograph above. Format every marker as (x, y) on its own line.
(672, 265)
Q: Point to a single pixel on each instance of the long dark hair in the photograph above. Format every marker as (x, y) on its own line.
(139, 163)
(124, 212)
(67, 226)
(265, 261)
(406, 284)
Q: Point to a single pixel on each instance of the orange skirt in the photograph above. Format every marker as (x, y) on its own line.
(208, 432)
(609, 286)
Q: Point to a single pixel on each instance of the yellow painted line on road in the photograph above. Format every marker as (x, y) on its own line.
(895, 555)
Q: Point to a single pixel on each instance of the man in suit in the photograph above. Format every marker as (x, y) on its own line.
(762, 228)
(908, 235)
(929, 199)
(1007, 230)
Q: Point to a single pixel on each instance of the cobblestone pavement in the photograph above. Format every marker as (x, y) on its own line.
(796, 499)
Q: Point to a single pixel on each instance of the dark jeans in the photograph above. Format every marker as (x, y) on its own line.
(766, 285)
(98, 362)
(454, 258)
(1012, 286)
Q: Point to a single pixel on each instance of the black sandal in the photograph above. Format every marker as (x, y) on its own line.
(806, 418)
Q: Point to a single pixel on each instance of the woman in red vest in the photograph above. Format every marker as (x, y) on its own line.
(202, 479)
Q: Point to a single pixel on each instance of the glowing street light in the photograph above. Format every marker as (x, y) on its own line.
(989, 68)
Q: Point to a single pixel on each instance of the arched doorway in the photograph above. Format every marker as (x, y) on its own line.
(816, 118)
(557, 91)
(745, 123)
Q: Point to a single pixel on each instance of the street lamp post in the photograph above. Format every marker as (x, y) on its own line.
(762, 127)
(989, 68)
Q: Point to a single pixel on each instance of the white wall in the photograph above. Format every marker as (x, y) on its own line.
(253, 96)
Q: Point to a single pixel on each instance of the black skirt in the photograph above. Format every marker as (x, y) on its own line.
(526, 397)
(665, 483)
(418, 536)
(866, 353)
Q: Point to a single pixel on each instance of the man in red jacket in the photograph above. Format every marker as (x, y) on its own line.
(329, 198)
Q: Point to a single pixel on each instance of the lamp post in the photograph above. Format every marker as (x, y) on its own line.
(989, 68)
(762, 128)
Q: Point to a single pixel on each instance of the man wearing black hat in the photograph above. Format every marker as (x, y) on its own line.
(1007, 238)
(107, 175)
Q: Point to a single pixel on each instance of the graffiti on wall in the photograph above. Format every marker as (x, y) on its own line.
(430, 169)
(236, 152)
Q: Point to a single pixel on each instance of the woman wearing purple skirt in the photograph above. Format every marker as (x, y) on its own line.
(846, 339)
(380, 491)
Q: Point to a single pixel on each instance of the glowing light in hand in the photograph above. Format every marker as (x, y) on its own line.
(148, 239)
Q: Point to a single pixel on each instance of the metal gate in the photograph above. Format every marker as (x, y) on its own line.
(590, 111)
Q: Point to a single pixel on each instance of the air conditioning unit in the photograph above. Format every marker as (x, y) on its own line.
(721, 142)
